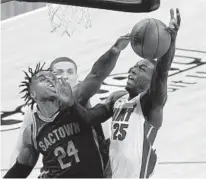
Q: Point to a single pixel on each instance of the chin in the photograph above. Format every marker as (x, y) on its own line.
(128, 88)
(131, 89)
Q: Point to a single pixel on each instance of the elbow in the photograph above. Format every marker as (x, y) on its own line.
(99, 74)
(164, 100)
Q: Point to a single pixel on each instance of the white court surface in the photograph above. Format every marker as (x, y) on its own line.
(181, 142)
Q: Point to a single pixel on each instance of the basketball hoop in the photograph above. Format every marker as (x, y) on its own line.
(67, 19)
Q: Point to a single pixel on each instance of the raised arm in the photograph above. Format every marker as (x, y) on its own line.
(26, 159)
(100, 70)
(101, 112)
(98, 114)
(154, 99)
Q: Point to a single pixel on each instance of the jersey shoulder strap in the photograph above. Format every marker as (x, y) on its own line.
(116, 95)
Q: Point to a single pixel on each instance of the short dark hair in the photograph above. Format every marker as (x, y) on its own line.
(62, 59)
(27, 82)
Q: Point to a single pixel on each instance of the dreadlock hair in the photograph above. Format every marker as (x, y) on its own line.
(26, 84)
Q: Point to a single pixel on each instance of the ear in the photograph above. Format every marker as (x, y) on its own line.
(33, 94)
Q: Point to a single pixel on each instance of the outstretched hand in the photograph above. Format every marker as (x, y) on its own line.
(122, 42)
(174, 23)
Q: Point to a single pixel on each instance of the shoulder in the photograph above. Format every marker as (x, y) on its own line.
(27, 135)
(27, 119)
(116, 95)
(28, 116)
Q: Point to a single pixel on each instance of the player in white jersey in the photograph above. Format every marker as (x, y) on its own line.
(131, 153)
(137, 113)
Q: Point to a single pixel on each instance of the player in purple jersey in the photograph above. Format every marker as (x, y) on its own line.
(100, 70)
(63, 138)
(83, 91)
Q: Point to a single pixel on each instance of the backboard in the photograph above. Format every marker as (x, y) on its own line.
(135, 6)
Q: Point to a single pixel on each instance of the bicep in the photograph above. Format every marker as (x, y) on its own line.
(27, 155)
(158, 88)
(152, 112)
(155, 117)
(26, 123)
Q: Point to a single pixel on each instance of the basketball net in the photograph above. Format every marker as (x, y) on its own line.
(68, 19)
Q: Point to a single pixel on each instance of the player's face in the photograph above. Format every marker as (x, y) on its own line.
(140, 76)
(66, 70)
(43, 86)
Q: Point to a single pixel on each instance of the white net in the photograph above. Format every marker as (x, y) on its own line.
(66, 20)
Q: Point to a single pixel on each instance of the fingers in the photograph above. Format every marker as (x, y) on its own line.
(176, 26)
(55, 73)
(172, 14)
(175, 22)
(50, 81)
(178, 16)
(64, 83)
(127, 36)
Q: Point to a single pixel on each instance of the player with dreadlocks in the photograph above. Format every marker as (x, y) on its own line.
(61, 136)
(26, 84)
(67, 68)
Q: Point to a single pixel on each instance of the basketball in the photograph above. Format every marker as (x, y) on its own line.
(150, 39)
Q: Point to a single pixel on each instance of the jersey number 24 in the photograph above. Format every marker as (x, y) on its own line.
(61, 154)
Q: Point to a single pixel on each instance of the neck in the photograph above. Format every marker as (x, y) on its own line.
(48, 108)
(133, 94)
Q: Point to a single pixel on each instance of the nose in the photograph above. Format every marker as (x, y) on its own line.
(65, 75)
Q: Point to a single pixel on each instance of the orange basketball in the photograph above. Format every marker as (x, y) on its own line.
(150, 39)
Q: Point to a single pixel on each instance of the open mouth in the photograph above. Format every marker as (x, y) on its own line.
(130, 78)
(51, 87)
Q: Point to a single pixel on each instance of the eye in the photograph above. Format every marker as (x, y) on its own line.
(129, 70)
(142, 68)
(70, 71)
(42, 79)
(58, 72)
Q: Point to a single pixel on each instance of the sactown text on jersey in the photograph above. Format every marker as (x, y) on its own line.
(59, 133)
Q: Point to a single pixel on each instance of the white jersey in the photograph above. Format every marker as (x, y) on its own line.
(131, 153)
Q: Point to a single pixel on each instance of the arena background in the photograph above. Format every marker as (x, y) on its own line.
(181, 142)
